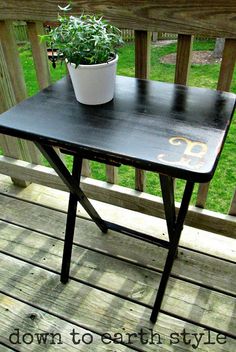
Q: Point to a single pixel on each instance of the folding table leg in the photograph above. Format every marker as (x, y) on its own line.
(175, 227)
(76, 195)
(72, 183)
(70, 223)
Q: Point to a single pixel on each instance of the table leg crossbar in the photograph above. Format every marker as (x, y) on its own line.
(174, 223)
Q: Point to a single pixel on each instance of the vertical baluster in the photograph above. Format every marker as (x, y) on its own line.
(39, 51)
(227, 65)
(224, 82)
(86, 170)
(142, 70)
(183, 58)
(111, 174)
(112, 171)
(142, 54)
(232, 209)
(202, 193)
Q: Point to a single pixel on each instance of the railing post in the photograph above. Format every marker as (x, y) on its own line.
(13, 90)
(8, 98)
(9, 47)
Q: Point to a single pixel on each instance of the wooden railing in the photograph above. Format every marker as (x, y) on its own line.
(128, 35)
(144, 17)
(21, 34)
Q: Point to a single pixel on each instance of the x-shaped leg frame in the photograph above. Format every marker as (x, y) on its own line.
(76, 194)
(174, 223)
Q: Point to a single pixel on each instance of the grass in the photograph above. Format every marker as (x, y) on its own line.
(224, 181)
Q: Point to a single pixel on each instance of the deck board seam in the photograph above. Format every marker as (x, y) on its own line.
(10, 347)
(125, 298)
(207, 254)
(175, 316)
(71, 321)
(89, 219)
(173, 276)
(149, 267)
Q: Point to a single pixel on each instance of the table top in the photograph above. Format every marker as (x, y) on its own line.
(163, 127)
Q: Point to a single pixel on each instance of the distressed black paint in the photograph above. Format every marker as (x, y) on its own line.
(135, 128)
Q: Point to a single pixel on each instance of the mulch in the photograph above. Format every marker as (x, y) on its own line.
(198, 57)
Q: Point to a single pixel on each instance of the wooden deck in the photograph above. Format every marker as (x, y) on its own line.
(107, 302)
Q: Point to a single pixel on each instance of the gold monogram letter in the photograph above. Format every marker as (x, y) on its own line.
(193, 155)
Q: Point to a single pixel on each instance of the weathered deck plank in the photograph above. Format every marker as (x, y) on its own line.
(182, 299)
(113, 285)
(114, 291)
(189, 265)
(200, 240)
(25, 327)
(5, 348)
(97, 310)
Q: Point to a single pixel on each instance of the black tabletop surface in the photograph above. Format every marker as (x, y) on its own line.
(156, 126)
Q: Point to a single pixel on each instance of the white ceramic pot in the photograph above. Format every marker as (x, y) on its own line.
(94, 84)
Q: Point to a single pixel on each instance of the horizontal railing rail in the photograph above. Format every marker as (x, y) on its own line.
(215, 19)
(128, 35)
(185, 19)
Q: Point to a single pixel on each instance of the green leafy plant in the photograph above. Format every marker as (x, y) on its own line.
(87, 39)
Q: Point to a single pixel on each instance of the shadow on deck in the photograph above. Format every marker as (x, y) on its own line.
(107, 303)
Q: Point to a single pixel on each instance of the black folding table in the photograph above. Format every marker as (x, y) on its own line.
(171, 129)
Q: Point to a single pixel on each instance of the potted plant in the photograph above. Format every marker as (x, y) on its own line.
(88, 43)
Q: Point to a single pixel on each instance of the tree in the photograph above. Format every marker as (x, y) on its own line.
(219, 47)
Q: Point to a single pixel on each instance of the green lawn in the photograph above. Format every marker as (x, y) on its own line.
(224, 181)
